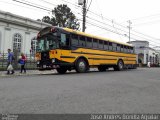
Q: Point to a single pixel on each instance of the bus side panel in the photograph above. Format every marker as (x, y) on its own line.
(94, 57)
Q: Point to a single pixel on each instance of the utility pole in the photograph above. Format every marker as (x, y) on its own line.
(129, 27)
(84, 16)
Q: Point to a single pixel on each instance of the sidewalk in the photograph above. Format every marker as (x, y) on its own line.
(29, 72)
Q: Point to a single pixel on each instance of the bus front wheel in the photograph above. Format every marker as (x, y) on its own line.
(61, 70)
(81, 66)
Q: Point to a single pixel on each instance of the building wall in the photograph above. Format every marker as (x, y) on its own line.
(141, 50)
(145, 53)
(11, 24)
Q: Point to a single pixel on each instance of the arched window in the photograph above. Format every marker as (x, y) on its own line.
(33, 45)
(17, 42)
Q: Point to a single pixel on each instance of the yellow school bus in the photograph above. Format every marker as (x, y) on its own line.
(66, 49)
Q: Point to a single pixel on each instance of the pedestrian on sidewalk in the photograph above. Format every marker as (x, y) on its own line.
(10, 62)
(149, 64)
(22, 62)
(0, 55)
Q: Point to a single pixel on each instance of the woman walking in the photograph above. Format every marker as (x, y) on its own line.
(22, 61)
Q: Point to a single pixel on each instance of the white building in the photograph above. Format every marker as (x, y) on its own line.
(17, 32)
(145, 53)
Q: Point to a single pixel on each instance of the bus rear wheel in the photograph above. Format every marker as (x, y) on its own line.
(119, 66)
(81, 66)
(61, 70)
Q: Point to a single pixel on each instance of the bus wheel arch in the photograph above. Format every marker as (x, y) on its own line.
(81, 64)
(120, 65)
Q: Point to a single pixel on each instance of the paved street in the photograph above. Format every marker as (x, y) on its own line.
(130, 91)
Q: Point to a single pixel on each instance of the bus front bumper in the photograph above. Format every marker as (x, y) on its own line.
(48, 65)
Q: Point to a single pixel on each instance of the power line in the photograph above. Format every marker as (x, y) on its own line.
(32, 5)
(89, 6)
(130, 33)
(22, 6)
(123, 34)
(112, 31)
(111, 26)
(91, 18)
(48, 2)
(145, 17)
(105, 17)
(149, 22)
(101, 16)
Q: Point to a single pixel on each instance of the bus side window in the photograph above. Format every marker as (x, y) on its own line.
(110, 46)
(82, 41)
(105, 45)
(63, 41)
(122, 50)
(125, 49)
(129, 49)
(100, 44)
(134, 50)
(95, 43)
(74, 41)
(89, 42)
(118, 47)
(114, 46)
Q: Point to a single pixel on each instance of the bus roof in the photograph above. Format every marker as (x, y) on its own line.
(93, 36)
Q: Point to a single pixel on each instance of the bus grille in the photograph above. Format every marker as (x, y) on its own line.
(44, 56)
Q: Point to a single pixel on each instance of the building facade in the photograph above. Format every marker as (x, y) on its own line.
(145, 53)
(18, 33)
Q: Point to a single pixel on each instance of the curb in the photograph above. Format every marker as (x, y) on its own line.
(27, 74)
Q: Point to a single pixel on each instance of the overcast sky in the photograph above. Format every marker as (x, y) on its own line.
(110, 16)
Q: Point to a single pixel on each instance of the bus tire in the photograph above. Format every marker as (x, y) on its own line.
(61, 70)
(119, 66)
(81, 66)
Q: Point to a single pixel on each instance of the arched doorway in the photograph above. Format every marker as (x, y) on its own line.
(140, 58)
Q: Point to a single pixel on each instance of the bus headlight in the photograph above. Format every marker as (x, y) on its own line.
(38, 62)
(53, 60)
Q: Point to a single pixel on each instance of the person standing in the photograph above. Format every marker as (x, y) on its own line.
(22, 61)
(10, 61)
(0, 55)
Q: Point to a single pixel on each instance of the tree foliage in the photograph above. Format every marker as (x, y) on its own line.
(62, 17)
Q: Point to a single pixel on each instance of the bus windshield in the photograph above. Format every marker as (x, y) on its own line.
(46, 43)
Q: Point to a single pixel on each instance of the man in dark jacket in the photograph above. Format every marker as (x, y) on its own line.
(10, 61)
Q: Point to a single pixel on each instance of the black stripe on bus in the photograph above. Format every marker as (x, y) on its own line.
(129, 60)
(101, 59)
(100, 54)
(67, 57)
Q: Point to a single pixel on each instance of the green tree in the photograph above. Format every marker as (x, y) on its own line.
(62, 17)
